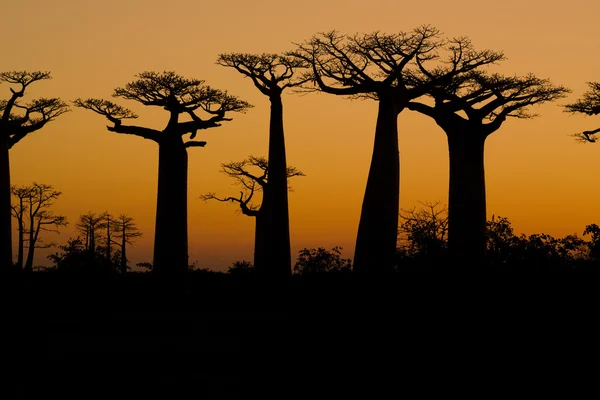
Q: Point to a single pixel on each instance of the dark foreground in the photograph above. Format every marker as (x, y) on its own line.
(222, 336)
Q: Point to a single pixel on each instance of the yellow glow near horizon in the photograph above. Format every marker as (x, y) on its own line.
(537, 176)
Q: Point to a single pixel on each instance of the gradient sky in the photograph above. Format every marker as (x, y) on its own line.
(537, 176)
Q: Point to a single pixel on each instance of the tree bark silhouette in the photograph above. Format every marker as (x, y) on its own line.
(378, 226)
(5, 206)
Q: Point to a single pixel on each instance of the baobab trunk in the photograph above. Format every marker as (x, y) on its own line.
(123, 252)
(33, 234)
(20, 242)
(170, 237)
(378, 227)
(5, 208)
(277, 227)
(260, 233)
(466, 199)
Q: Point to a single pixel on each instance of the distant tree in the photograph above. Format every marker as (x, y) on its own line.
(469, 107)
(252, 175)
(272, 74)
(594, 231)
(125, 229)
(146, 265)
(313, 261)
(72, 256)
(588, 105)
(373, 66)
(178, 96)
(240, 268)
(424, 230)
(33, 217)
(90, 225)
(106, 223)
(18, 120)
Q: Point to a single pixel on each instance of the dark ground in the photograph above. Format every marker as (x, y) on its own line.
(324, 337)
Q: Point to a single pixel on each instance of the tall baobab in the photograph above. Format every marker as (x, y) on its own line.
(588, 105)
(469, 107)
(372, 66)
(17, 120)
(272, 74)
(250, 183)
(178, 96)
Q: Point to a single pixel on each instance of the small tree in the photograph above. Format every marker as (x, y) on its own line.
(179, 97)
(314, 261)
(125, 229)
(252, 175)
(17, 120)
(33, 217)
(588, 105)
(90, 226)
(425, 229)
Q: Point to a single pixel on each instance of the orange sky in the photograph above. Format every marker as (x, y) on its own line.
(537, 176)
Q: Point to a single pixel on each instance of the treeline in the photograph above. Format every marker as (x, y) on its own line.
(445, 79)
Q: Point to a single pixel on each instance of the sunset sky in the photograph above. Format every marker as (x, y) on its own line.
(537, 176)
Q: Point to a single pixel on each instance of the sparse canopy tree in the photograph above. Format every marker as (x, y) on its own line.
(33, 217)
(424, 229)
(470, 107)
(178, 96)
(588, 105)
(252, 175)
(90, 226)
(272, 74)
(18, 120)
(125, 229)
(372, 66)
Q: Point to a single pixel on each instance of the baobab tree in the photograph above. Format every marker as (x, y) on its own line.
(469, 107)
(250, 183)
(588, 105)
(178, 96)
(272, 74)
(125, 229)
(31, 210)
(371, 66)
(17, 120)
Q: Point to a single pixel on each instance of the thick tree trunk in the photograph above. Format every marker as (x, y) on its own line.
(5, 209)
(170, 237)
(20, 244)
(260, 250)
(274, 209)
(31, 248)
(466, 199)
(123, 252)
(108, 242)
(378, 227)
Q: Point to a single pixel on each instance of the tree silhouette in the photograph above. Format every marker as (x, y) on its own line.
(469, 107)
(90, 225)
(18, 120)
(252, 182)
(372, 66)
(424, 229)
(272, 74)
(178, 96)
(318, 261)
(125, 229)
(33, 217)
(588, 105)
